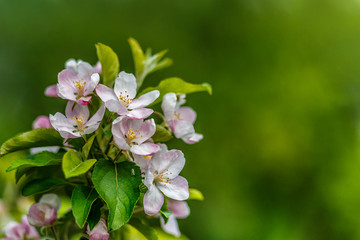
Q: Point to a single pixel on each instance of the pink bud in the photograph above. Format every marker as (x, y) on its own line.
(42, 122)
(41, 215)
(51, 91)
(17, 231)
(99, 232)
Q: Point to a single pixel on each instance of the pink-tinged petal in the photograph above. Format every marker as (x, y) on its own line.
(42, 122)
(31, 232)
(144, 100)
(168, 105)
(111, 101)
(51, 91)
(98, 68)
(196, 137)
(63, 126)
(170, 163)
(180, 209)
(41, 215)
(91, 83)
(84, 100)
(65, 87)
(141, 161)
(171, 226)
(93, 124)
(177, 188)
(125, 84)
(51, 199)
(71, 65)
(73, 111)
(84, 69)
(149, 178)
(99, 232)
(146, 130)
(182, 129)
(186, 114)
(153, 201)
(140, 113)
(147, 148)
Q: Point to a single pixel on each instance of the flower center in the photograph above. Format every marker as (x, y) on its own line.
(124, 98)
(80, 84)
(80, 122)
(147, 157)
(131, 135)
(177, 116)
(159, 177)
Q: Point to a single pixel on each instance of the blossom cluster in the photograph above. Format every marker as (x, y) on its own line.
(114, 122)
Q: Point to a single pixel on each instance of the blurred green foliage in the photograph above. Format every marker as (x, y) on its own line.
(280, 158)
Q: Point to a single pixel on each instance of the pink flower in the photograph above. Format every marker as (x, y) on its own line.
(130, 134)
(20, 231)
(44, 213)
(162, 177)
(81, 69)
(76, 122)
(180, 119)
(180, 210)
(99, 232)
(122, 100)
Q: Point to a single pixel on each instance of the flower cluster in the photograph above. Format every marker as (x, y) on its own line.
(112, 151)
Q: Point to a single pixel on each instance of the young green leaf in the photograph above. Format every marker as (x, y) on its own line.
(87, 147)
(177, 85)
(165, 213)
(195, 194)
(161, 134)
(41, 185)
(148, 232)
(82, 199)
(73, 166)
(41, 137)
(146, 63)
(109, 63)
(41, 159)
(118, 185)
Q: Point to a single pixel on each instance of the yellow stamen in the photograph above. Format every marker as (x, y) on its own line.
(177, 115)
(131, 135)
(147, 157)
(80, 84)
(124, 98)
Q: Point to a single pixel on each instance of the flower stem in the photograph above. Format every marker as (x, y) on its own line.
(54, 232)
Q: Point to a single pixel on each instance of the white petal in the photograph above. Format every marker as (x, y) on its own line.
(65, 88)
(125, 84)
(171, 226)
(76, 111)
(187, 114)
(196, 137)
(140, 113)
(168, 105)
(180, 209)
(91, 83)
(169, 163)
(177, 188)
(145, 131)
(51, 199)
(144, 100)
(145, 148)
(111, 101)
(153, 201)
(94, 122)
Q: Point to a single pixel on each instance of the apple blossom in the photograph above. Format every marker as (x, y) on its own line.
(180, 210)
(122, 100)
(44, 213)
(162, 175)
(76, 122)
(180, 119)
(20, 231)
(130, 134)
(80, 68)
(99, 232)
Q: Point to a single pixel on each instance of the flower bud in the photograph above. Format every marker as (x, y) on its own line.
(42, 215)
(20, 231)
(99, 232)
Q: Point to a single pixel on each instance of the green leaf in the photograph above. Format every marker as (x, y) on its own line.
(73, 166)
(41, 137)
(41, 185)
(87, 147)
(95, 214)
(82, 199)
(146, 63)
(177, 85)
(165, 213)
(41, 159)
(118, 185)
(195, 194)
(148, 232)
(162, 134)
(109, 63)
(138, 56)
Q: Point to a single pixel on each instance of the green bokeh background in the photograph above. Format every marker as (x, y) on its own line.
(280, 158)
